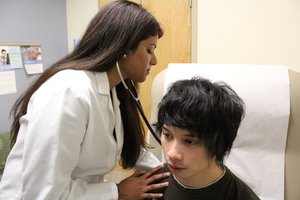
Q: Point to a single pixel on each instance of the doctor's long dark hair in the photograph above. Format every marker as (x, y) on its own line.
(117, 29)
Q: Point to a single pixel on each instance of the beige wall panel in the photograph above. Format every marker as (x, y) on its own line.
(79, 14)
(249, 32)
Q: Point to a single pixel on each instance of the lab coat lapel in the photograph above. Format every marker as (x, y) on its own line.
(118, 121)
(104, 89)
(114, 108)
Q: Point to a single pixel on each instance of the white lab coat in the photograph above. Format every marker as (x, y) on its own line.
(65, 144)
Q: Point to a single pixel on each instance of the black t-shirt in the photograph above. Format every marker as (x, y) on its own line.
(229, 187)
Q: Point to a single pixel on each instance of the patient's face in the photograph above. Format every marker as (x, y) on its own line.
(187, 157)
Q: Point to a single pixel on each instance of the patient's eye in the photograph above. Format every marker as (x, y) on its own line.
(187, 141)
(190, 141)
(166, 135)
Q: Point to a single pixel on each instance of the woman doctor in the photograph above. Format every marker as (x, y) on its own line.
(76, 121)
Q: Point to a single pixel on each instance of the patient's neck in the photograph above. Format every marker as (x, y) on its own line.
(203, 178)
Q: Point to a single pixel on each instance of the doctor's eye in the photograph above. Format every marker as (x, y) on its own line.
(150, 51)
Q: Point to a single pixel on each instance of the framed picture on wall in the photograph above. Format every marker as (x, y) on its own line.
(32, 59)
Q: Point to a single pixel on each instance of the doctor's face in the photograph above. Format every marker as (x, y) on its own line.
(136, 65)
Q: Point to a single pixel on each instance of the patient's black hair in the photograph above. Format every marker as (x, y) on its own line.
(210, 111)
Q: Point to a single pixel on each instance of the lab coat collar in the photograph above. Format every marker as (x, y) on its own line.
(104, 88)
(102, 83)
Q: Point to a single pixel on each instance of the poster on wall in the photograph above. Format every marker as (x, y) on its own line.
(15, 57)
(4, 59)
(32, 58)
(10, 58)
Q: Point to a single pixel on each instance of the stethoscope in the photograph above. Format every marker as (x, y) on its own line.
(137, 103)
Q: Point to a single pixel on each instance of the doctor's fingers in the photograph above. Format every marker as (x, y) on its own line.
(156, 177)
(148, 173)
(152, 171)
(138, 173)
(151, 191)
(155, 186)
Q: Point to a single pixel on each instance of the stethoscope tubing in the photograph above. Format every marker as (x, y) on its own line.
(140, 108)
(138, 104)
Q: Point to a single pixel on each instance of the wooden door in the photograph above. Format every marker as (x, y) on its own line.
(174, 46)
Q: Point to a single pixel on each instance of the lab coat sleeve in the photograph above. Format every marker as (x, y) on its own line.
(146, 161)
(55, 128)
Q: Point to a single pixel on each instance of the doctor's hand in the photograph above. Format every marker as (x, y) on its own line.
(140, 183)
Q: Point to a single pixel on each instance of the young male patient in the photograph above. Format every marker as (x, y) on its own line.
(198, 121)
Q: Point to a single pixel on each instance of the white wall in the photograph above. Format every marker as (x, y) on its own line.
(249, 31)
(79, 14)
